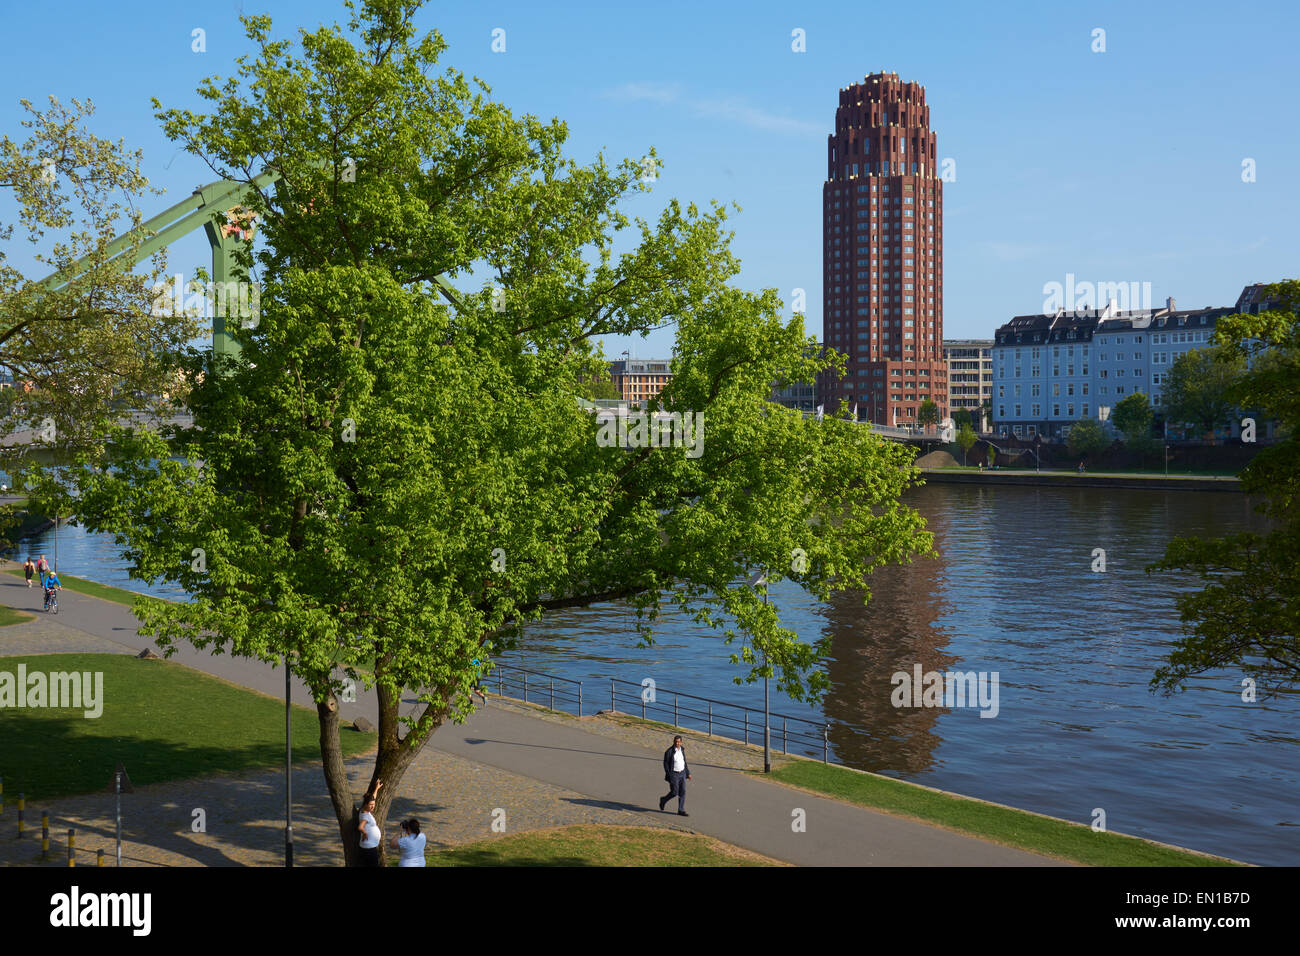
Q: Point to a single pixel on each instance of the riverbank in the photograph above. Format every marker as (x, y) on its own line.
(1073, 479)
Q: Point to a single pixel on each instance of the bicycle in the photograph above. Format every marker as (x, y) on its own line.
(51, 601)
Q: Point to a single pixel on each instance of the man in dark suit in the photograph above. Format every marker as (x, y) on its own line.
(676, 772)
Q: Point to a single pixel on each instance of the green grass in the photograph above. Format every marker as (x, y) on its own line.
(162, 720)
(1027, 831)
(92, 588)
(9, 616)
(592, 845)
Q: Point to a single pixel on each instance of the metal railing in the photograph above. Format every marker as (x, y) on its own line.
(688, 711)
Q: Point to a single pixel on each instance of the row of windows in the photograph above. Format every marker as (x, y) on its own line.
(1036, 410)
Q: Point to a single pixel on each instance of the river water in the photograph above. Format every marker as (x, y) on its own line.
(1013, 592)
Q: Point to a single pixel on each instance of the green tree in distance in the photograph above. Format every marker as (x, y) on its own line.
(962, 417)
(928, 413)
(1247, 614)
(1087, 438)
(966, 438)
(1197, 387)
(1133, 417)
(369, 424)
(600, 388)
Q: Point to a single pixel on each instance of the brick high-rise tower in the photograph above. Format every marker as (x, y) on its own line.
(882, 216)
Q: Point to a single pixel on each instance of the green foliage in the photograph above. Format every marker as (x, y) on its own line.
(962, 416)
(388, 478)
(1087, 438)
(966, 438)
(83, 341)
(1133, 417)
(1198, 385)
(595, 389)
(928, 413)
(992, 455)
(1247, 614)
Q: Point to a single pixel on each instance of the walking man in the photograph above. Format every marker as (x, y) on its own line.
(676, 772)
(42, 569)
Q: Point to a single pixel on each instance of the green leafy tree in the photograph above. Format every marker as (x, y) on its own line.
(1133, 417)
(600, 388)
(928, 413)
(72, 345)
(962, 417)
(1197, 388)
(1087, 438)
(1247, 614)
(992, 455)
(370, 424)
(966, 438)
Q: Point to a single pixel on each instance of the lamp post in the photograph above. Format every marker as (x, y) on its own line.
(288, 770)
(756, 581)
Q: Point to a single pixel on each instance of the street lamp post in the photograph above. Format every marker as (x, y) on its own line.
(761, 579)
(288, 770)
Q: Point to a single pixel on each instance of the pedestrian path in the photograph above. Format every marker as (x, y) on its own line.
(541, 772)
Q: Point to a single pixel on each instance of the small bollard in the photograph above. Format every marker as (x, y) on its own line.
(72, 847)
(99, 857)
(45, 837)
(22, 802)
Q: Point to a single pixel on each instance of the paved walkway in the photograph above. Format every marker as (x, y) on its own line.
(541, 771)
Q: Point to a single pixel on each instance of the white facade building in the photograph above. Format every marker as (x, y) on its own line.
(1050, 371)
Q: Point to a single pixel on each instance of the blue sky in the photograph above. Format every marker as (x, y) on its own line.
(1117, 166)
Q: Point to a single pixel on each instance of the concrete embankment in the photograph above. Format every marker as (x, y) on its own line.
(1067, 479)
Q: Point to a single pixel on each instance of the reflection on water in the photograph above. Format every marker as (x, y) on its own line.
(1012, 592)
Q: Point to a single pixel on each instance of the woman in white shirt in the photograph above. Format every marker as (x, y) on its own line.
(369, 829)
(410, 845)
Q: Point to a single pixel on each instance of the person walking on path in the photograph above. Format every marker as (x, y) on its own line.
(676, 772)
(29, 569)
(478, 684)
(369, 829)
(42, 569)
(410, 845)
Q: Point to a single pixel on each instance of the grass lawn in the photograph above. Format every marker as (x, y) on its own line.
(82, 586)
(162, 720)
(1016, 828)
(9, 616)
(592, 845)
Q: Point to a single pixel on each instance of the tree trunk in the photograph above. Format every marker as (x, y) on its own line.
(336, 779)
(391, 763)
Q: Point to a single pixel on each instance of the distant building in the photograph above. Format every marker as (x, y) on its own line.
(1050, 371)
(970, 377)
(882, 253)
(639, 380)
(797, 395)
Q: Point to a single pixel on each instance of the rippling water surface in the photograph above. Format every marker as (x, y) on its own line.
(1011, 592)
